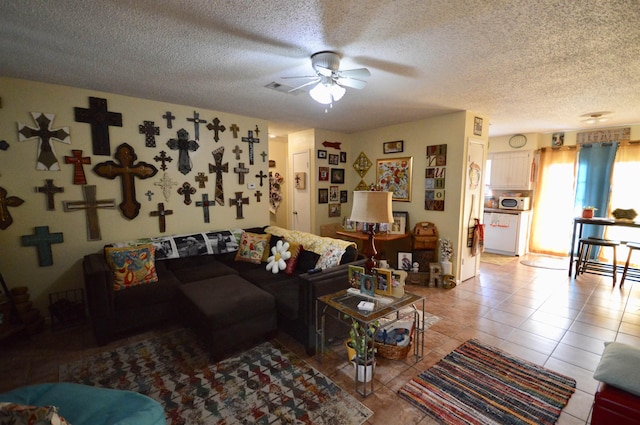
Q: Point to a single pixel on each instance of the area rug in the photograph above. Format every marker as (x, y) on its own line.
(497, 259)
(264, 385)
(479, 384)
(547, 262)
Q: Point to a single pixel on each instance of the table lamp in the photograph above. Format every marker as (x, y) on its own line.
(371, 207)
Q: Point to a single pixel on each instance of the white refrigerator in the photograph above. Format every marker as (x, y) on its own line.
(506, 232)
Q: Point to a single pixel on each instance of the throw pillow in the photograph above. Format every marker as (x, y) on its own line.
(295, 249)
(618, 367)
(277, 261)
(252, 247)
(330, 258)
(19, 414)
(307, 260)
(132, 265)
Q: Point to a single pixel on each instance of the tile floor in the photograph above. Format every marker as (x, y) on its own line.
(539, 314)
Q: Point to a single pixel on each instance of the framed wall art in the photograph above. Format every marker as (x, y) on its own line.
(323, 196)
(323, 174)
(394, 175)
(334, 158)
(337, 175)
(334, 194)
(335, 210)
(344, 195)
(322, 154)
(343, 157)
(393, 147)
(477, 126)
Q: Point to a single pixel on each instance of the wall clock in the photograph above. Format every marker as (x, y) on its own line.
(518, 141)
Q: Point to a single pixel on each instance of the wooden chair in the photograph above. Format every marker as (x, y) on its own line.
(584, 265)
(631, 246)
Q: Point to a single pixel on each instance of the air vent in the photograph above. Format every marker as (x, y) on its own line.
(282, 88)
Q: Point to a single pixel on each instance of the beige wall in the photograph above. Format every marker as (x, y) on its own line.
(278, 152)
(18, 175)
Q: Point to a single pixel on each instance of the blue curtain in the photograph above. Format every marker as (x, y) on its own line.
(593, 186)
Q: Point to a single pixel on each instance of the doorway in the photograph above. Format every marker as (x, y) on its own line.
(473, 201)
(301, 205)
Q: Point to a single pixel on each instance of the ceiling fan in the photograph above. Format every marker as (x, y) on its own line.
(330, 81)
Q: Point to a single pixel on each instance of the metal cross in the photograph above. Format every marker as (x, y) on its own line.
(149, 194)
(186, 190)
(196, 124)
(183, 145)
(46, 156)
(169, 117)
(258, 194)
(205, 204)
(100, 119)
(239, 201)
(237, 151)
(161, 213)
(90, 205)
(257, 130)
(49, 189)
(150, 132)
(166, 184)
(43, 240)
(201, 179)
(216, 127)
(78, 161)
(241, 171)
(251, 140)
(164, 159)
(234, 129)
(264, 156)
(219, 168)
(261, 176)
(5, 202)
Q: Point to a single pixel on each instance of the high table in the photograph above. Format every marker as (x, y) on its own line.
(579, 222)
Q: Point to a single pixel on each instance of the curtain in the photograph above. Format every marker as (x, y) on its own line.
(552, 221)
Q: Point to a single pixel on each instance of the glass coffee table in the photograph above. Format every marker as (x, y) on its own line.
(343, 305)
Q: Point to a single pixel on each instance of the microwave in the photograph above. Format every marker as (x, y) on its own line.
(514, 203)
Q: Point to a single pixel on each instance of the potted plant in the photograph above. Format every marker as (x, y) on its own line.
(361, 349)
(446, 251)
(587, 212)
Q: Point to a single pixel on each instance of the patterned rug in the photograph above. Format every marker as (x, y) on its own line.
(264, 385)
(479, 384)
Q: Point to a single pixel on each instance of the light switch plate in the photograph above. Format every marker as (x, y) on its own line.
(251, 186)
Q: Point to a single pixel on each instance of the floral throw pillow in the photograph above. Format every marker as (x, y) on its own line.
(252, 247)
(132, 266)
(19, 414)
(330, 258)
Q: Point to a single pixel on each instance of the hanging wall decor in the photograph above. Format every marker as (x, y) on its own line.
(169, 117)
(150, 132)
(362, 186)
(5, 202)
(4, 145)
(275, 187)
(334, 145)
(161, 213)
(78, 162)
(127, 169)
(205, 204)
(166, 184)
(264, 156)
(90, 205)
(435, 178)
(100, 119)
(241, 170)
(149, 194)
(362, 164)
(163, 158)
(43, 240)
(215, 126)
(201, 179)
(394, 175)
(218, 167)
(261, 175)
(47, 159)
(186, 190)
(49, 189)
(237, 151)
(238, 202)
(234, 129)
(258, 195)
(183, 145)
(323, 174)
(300, 179)
(196, 124)
(250, 140)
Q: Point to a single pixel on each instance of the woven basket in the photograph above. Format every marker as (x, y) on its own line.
(392, 352)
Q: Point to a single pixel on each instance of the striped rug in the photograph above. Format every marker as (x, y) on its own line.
(480, 384)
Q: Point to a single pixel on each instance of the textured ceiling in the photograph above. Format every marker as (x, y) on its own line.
(531, 66)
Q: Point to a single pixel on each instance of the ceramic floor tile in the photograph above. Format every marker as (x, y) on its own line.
(593, 345)
(544, 330)
(533, 341)
(593, 331)
(576, 356)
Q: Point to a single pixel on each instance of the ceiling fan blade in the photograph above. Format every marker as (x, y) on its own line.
(323, 71)
(304, 85)
(355, 73)
(301, 76)
(351, 82)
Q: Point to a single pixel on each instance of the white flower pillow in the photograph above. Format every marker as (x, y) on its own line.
(280, 254)
(330, 258)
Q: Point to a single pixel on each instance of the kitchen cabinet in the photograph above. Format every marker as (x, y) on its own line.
(506, 233)
(512, 170)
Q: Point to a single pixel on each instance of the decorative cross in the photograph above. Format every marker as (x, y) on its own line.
(149, 194)
(150, 132)
(196, 124)
(264, 156)
(241, 171)
(5, 202)
(90, 205)
(4, 145)
(46, 155)
(239, 201)
(219, 168)
(186, 190)
(164, 159)
(216, 127)
(49, 189)
(169, 117)
(261, 176)
(205, 204)
(251, 140)
(78, 161)
(234, 129)
(183, 145)
(43, 241)
(258, 194)
(166, 184)
(127, 170)
(161, 213)
(100, 119)
(201, 179)
(257, 130)
(237, 151)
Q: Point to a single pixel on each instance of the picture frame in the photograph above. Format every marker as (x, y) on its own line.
(323, 196)
(348, 225)
(382, 228)
(334, 194)
(367, 285)
(382, 280)
(557, 139)
(322, 154)
(323, 174)
(477, 126)
(405, 261)
(396, 146)
(394, 175)
(354, 274)
(335, 210)
(343, 157)
(337, 175)
(399, 226)
(405, 216)
(344, 196)
(300, 180)
(334, 159)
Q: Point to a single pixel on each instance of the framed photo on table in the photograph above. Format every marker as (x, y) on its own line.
(405, 260)
(354, 276)
(367, 284)
(394, 175)
(400, 222)
(382, 281)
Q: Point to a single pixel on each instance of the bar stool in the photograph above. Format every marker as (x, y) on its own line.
(631, 246)
(584, 250)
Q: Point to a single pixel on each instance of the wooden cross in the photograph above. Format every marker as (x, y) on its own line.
(149, 194)
(166, 184)
(216, 127)
(164, 159)
(183, 145)
(49, 189)
(100, 119)
(186, 190)
(43, 241)
(241, 171)
(78, 161)
(127, 170)
(205, 204)
(150, 132)
(251, 140)
(234, 129)
(161, 213)
(90, 206)
(261, 176)
(257, 130)
(196, 123)
(219, 168)
(201, 179)
(169, 117)
(44, 133)
(5, 202)
(264, 156)
(239, 201)
(237, 151)
(258, 195)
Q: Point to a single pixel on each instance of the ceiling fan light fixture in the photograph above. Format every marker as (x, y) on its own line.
(327, 93)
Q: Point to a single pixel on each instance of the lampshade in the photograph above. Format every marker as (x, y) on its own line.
(327, 92)
(372, 207)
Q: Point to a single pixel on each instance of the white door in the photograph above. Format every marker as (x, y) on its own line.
(301, 206)
(473, 201)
